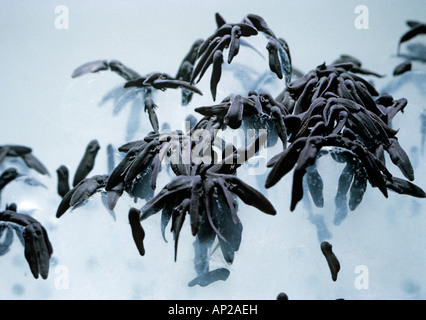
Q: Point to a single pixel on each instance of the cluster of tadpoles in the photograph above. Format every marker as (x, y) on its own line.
(33, 236)
(330, 110)
(416, 28)
(336, 108)
(228, 35)
(204, 187)
(30, 232)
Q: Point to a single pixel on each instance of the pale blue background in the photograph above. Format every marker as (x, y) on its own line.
(42, 107)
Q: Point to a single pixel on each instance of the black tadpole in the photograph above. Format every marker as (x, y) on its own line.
(282, 296)
(216, 73)
(37, 247)
(416, 28)
(332, 261)
(402, 68)
(81, 192)
(25, 153)
(137, 230)
(87, 162)
(63, 185)
(8, 176)
(274, 60)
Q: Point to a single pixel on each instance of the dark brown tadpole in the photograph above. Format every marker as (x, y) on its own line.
(137, 230)
(259, 23)
(220, 21)
(216, 72)
(163, 84)
(416, 28)
(402, 68)
(332, 261)
(90, 67)
(150, 107)
(12, 207)
(87, 162)
(234, 116)
(274, 60)
(63, 184)
(25, 153)
(358, 187)
(81, 192)
(7, 176)
(102, 65)
(37, 247)
(186, 68)
(402, 186)
(32, 162)
(234, 46)
(122, 70)
(282, 296)
(400, 158)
